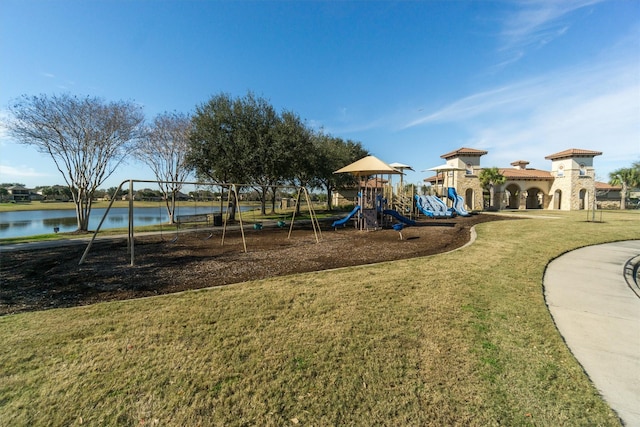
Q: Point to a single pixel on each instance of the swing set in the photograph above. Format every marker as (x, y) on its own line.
(199, 218)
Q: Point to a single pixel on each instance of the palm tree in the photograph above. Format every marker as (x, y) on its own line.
(489, 178)
(627, 178)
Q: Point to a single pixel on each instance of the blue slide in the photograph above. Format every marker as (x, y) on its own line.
(346, 218)
(399, 217)
(458, 202)
(433, 207)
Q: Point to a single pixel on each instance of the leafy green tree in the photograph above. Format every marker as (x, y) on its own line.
(627, 178)
(100, 193)
(216, 150)
(296, 152)
(114, 192)
(87, 138)
(263, 151)
(164, 149)
(489, 179)
(331, 154)
(244, 140)
(58, 192)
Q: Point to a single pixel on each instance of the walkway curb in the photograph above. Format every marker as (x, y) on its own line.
(598, 315)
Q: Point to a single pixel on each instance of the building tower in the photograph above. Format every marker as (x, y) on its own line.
(573, 187)
(465, 164)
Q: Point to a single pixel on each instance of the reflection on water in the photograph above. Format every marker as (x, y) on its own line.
(60, 222)
(31, 223)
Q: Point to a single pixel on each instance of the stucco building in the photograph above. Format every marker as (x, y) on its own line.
(569, 185)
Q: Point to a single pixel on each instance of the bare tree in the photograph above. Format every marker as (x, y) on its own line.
(164, 149)
(87, 138)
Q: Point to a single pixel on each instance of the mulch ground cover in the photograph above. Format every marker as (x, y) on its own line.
(40, 279)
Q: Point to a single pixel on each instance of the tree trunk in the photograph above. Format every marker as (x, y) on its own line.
(232, 206)
(623, 196)
(83, 210)
(263, 200)
(273, 200)
(171, 207)
(491, 196)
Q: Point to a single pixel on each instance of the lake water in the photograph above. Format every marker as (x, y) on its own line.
(31, 223)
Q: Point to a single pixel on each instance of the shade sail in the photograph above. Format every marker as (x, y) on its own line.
(369, 165)
(443, 168)
(400, 166)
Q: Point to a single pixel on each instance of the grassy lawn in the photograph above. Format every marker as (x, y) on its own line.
(463, 338)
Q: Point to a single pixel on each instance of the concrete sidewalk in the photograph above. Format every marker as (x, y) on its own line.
(598, 314)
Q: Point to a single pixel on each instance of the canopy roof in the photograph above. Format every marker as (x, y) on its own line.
(444, 167)
(369, 165)
(400, 166)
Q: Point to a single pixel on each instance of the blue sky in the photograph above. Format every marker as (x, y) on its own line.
(411, 80)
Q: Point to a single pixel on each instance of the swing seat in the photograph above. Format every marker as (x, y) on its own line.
(398, 227)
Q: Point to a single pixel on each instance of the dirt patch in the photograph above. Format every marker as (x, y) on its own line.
(51, 278)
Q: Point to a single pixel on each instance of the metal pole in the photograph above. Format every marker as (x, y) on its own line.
(86, 251)
(131, 221)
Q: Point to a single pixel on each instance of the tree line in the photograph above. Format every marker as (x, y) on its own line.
(241, 140)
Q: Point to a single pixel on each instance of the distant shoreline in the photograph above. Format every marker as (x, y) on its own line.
(41, 206)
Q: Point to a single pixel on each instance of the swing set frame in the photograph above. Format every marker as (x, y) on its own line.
(233, 189)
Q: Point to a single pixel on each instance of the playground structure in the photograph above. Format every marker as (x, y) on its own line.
(379, 203)
(457, 202)
(433, 207)
(231, 188)
(373, 210)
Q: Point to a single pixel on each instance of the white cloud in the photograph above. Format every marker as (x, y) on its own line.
(537, 22)
(592, 107)
(9, 173)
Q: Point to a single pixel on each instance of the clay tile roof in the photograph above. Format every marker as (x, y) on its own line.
(464, 151)
(516, 174)
(519, 162)
(437, 177)
(605, 186)
(573, 152)
(373, 183)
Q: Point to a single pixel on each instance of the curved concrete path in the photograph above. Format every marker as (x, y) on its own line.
(598, 314)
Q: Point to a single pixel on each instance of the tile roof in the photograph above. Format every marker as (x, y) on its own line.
(605, 186)
(515, 174)
(464, 151)
(439, 177)
(373, 183)
(573, 152)
(511, 174)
